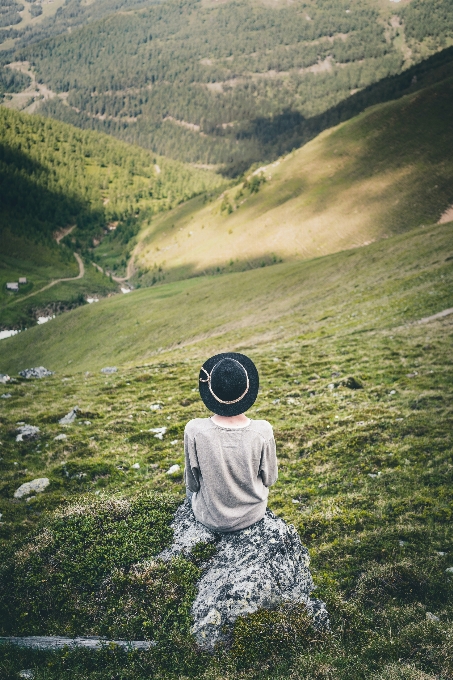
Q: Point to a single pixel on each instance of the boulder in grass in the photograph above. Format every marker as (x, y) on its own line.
(27, 432)
(38, 372)
(260, 567)
(35, 486)
(7, 395)
(70, 417)
(109, 369)
(4, 378)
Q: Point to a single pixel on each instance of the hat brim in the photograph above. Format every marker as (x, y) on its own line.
(229, 409)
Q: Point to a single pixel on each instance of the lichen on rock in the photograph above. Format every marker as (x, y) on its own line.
(259, 567)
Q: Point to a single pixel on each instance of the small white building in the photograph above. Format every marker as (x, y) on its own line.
(23, 279)
(12, 286)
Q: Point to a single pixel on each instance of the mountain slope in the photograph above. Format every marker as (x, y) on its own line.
(55, 177)
(387, 283)
(226, 83)
(386, 171)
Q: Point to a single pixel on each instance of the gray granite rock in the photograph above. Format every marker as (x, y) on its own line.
(38, 372)
(27, 432)
(259, 567)
(4, 378)
(109, 369)
(35, 486)
(7, 395)
(69, 418)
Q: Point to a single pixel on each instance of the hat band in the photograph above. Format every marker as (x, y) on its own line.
(208, 380)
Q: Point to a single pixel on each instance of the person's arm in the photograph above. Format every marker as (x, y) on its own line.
(268, 465)
(191, 469)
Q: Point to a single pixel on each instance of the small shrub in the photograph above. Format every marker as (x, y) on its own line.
(402, 581)
(270, 635)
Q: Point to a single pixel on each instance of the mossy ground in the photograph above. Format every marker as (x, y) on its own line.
(365, 476)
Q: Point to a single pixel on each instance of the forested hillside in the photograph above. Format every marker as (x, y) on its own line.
(43, 19)
(55, 177)
(228, 83)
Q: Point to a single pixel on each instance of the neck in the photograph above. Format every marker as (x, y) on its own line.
(233, 421)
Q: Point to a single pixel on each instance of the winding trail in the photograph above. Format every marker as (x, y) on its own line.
(80, 275)
(130, 271)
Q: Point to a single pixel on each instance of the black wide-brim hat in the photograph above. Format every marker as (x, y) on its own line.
(228, 383)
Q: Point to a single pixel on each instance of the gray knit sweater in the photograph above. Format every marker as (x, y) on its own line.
(229, 469)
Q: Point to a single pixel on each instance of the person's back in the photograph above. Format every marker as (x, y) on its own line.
(229, 468)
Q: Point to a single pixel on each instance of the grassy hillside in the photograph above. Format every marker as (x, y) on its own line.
(386, 171)
(228, 83)
(364, 474)
(55, 177)
(402, 278)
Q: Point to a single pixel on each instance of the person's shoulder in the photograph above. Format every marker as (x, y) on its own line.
(263, 427)
(197, 425)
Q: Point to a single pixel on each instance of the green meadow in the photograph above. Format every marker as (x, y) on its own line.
(357, 383)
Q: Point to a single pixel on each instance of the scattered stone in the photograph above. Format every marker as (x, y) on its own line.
(331, 386)
(38, 372)
(36, 485)
(295, 501)
(373, 476)
(276, 359)
(159, 432)
(449, 570)
(336, 374)
(441, 554)
(259, 567)
(87, 422)
(412, 375)
(27, 432)
(402, 543)
(135, 466)
(4, 378)
(392, 391)
(109, 369)
(7, 395)
(155, 407)
(432, 617)
(27, 673)
(174, 442)
(173, 469)
(60, 437)
(276, 401)
(69, 418)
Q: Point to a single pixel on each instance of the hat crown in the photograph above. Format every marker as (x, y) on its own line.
(228, 379)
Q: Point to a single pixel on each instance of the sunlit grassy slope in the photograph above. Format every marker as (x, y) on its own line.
(401, 278)
(382, 173)
(365, 474)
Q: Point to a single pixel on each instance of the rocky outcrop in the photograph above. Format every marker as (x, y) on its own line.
(109, 369)
(259, 567)
(38, 372)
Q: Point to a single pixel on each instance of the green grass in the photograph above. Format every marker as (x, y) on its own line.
(381, 173)
(392, 281)
(374, 540)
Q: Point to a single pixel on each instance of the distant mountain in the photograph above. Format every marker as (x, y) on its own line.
(229, 83)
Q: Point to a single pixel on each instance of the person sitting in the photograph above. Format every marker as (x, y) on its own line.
(230, 459)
